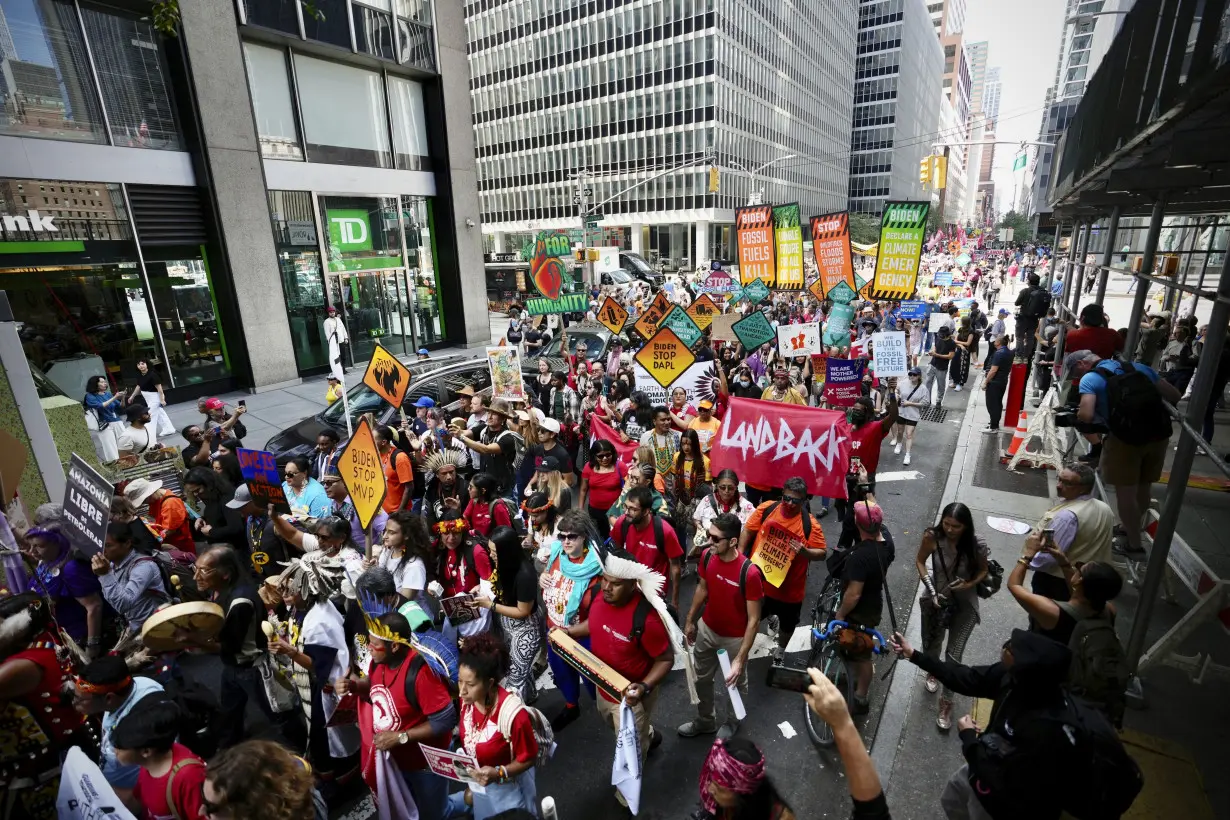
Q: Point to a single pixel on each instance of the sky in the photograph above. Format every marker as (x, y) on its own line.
(1023, 40)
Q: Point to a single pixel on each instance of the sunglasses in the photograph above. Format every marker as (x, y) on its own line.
(791, 499)
(606, 455)
(727, 488)
(570, 536)
(291, 473)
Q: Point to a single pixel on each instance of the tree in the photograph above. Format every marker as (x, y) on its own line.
(1022, 227)
(864, 228)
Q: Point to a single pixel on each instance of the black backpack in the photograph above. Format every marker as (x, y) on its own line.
(1038, 303)
(1136, 412)
(707, 556)
(514, 515)
(626, 525)
(772, 508)
(1089, 773)
(1099, 672)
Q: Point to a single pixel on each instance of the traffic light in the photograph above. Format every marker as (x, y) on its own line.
(924, 170)
(940, 173)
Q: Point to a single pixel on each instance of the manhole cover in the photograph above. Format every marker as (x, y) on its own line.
(936, 414)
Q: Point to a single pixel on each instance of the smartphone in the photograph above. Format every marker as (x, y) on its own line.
(243, 402)
(1048, 537)
(792, 680)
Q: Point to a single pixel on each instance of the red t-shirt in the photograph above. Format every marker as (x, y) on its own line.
(687, 411)
(392, 711)
(1104, 341)
(185, 788)
(481, 736)
(865, 443)
(479, 516)
(726, 609)
(604, 488)
(610, 631)
(640, 543)
(459, 576)
(789, 531)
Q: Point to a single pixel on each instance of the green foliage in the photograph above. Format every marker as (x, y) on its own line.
(1021, 225)
(166, 15)
(933, 221)
(864, 228)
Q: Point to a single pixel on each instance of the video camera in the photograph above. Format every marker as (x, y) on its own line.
(1066, 416)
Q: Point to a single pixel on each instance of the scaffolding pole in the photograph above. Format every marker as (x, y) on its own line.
(1107, 254)
(1142, 286)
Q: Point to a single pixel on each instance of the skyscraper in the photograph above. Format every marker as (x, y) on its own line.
(897, 82)
(976, 55)
(620, 108)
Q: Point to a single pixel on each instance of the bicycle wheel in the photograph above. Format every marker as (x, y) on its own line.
(828, 659)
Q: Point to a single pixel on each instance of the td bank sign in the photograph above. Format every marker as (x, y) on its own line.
(349, 230)
(32, 221)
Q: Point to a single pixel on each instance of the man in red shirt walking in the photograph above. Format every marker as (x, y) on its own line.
(1093, 335)
(650, 539)
(729, 589)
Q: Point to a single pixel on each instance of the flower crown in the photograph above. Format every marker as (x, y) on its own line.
(373, 608)
(525, 505)
(445, 527)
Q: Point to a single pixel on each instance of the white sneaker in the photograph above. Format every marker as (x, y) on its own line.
(906, 460)
(891, 442)
(957, 388)
(897, 449)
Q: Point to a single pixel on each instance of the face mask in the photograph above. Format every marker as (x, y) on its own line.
(744, 381)
(857, 416)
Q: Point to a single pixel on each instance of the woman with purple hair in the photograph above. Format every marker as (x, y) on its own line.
(65, 577)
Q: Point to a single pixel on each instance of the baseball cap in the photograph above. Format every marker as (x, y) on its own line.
(705, 404)
(423, 351)
(549, 464)
(243, 497)
(425, 401)
(1077, 356)
(214, 404)
(550, 425)
(868, 517)
(1003, 311)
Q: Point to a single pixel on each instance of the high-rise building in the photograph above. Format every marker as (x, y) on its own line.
(984, 203)
(1088, 29)
(897, 82)
(990, 97)
(947, 16)
(7, 49)
(976, 56)
(621, 109)
(954, 125)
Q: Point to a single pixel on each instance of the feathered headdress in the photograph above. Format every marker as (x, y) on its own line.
(441, 459)
(373, 608)
(316, 577)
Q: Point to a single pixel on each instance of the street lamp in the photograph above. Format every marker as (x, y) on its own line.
(755, 196)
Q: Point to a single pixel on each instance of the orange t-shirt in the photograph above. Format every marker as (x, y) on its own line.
(780, 539)
(397, 479)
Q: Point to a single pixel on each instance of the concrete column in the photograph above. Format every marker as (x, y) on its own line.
(701, 254)
(638, 238)
(231, 160)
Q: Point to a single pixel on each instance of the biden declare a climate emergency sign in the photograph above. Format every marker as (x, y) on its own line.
(902, 230)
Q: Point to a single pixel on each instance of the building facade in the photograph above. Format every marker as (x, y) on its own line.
(201, 200)
(976, 126)
(621, 108)
(897, 81)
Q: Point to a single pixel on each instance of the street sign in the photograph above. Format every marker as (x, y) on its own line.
(593, 219)
(665, 357)
(363, 473)
(754, 330)
(612, 315)
(388, 377)
(702, 311)
(87, 507)
(1019, 162)
(576, 199)
(681, 323)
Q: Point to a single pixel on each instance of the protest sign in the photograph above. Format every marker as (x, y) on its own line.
(830, 242)
(84, 792)
(767, 442)
(756, 292)
(647, 323)
(681, 323)
(264, 482)
(363, 474)
(754, 235)
(837, 329)
(665, 356)
(387, 376)
(703, 311)
(942, 279)
(754, 330)
(448, 764)
(788, 238)
(87, 507)
(902, 229)
(699, 382)
(721, 328)
(506, 382)
(612, 315)
(914, 311)
(775, 552)
(842, 293)
(799, 340)
(551, 278)
(719, 282)
(889, 354)
(843, 381)
(936, 321)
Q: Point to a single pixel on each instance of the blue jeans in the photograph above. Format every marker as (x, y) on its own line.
(521, 793)
(430, 792)
(567, 679)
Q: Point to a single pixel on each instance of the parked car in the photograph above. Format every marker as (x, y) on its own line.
(597, 341)
(441, 383)
(635, 266)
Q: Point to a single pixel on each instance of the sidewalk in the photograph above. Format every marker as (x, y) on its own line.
(1181, 727)
(271, 412)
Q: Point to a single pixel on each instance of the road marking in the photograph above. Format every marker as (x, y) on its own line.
(898, 475)
(787, 730)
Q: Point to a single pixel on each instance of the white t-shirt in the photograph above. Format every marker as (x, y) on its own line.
(408, 571)
(138, 441)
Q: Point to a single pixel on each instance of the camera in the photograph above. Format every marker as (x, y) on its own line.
(1067, 417)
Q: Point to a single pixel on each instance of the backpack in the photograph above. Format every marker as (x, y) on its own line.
(626, 525)
(543, 733)
(1136, 412)
(704, 567)
(1038, 303)
(188, 761)
(176, 564)
(514, 515)
(1089, 773)
(1099, 672)
(438, 656)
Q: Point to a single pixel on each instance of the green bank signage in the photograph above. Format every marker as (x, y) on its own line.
(349, 230)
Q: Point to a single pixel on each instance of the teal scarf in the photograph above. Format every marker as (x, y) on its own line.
(580, 575)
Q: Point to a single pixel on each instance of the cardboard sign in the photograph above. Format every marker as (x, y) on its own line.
(505, 365)
(914, 311)
(902, 229)
(722, 328)
(888, 351)
(788, 238)
(830, 243)
(363, 473)
(647, 323)
(799, 340)
(754, 330)
(681, 323)
(612, 315)
(389, 378)
(87, 507)
(665, 357)
(774, 552)
(843, 380)
(263, 479)
(756, 292)
(842, 294)
(754, 235)
(703, 311)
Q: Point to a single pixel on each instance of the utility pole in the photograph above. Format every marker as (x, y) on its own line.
(580, 197)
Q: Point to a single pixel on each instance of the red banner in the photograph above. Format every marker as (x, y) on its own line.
(600, 429)
(767, 442)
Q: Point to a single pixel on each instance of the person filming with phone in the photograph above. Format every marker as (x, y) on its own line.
(1081, 527)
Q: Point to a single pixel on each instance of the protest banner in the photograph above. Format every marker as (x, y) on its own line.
(681, 323)
(843, 380)
(914, 311)
(551, 278)
(506, 382)
(830, 242)
(768, 442)
(888, 351)
(837, 329)
(936, 321)
(699, 382)
(754, 235)
(87, 507)
(718, 282)
(799, 340)
(754, 330)
(703, 311)
(665, 356)
(599, 429)
(902, 229)
(263, 479)
(386, 376)
(721, 330)
(788, 238)
(612, 315)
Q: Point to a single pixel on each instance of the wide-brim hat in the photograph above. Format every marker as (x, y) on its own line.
(140, 489)
(501, 407)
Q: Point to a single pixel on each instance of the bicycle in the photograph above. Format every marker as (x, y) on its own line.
(828, 657)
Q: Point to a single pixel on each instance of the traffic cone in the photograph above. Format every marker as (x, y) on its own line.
(1019, 436)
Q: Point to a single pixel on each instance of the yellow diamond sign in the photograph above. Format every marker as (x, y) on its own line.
(665, 356)
(363, 473)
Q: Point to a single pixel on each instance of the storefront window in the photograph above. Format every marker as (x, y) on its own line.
(186, 313)
(294, 229)
(409, 125)
(420, 254)
(344, 116)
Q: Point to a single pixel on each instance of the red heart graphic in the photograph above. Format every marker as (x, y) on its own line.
(548, 278)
